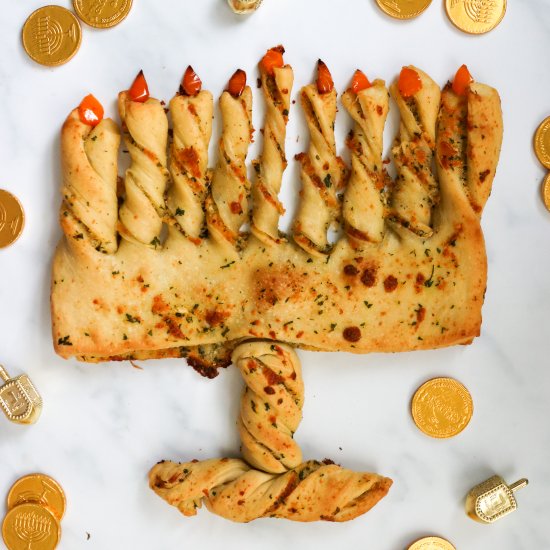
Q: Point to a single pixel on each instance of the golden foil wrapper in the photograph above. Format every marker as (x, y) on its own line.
(38, 489)
(542, 143)
(493, 499)
(12, 218)
(546, 191)
(244, 7)
(102, 15)
(442, 407)
(51, 35)
(403, 9)
(475, 16)
(431, 543)
(19, 399)
(30, 526)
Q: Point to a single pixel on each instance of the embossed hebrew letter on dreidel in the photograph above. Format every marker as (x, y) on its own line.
(19, 399)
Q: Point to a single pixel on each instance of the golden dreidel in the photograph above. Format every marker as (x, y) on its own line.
(19, 399)
(493, 499)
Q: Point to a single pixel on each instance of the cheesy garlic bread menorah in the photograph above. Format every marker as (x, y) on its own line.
(172, 273)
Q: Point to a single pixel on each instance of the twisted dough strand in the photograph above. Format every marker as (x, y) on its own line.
(89, 167)
(468, 141)
(322, 173)
(364, 202)
(230, 488)
(416, 190)
(192, 126)
(227, 206)
(272, 163)
(145, 134)
(271, 405)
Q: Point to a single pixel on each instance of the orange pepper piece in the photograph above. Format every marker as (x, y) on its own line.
(237, 83)
(409, 82)
(359, 81)
(325, 84)
(462, 80)
(139, 90)
(90, 111)
(272, 59)
(191, 84)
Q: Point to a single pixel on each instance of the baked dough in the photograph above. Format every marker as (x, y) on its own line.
(227, 205)
(269, 168)
(364, 206)
(271, 405)
(407, 277)
(232, 489)
(323, 172)
(192, 129)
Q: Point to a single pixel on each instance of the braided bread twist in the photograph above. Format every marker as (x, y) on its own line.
(227, 206)
(364, 202)
(230, 488)
(145, 128)
(416, 190)
(269, 168)
(271, 405)
(469, 134)
(89, 167)
(192, 128)
(322, 171)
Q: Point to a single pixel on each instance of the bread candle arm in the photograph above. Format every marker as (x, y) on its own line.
(277, 79)
(89, 153)
(227, 205)
(364, 200)
(416, 190)
(191, 111)
(145, 132)
(322, 170)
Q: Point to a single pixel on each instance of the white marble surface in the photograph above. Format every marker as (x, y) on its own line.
(103, 426)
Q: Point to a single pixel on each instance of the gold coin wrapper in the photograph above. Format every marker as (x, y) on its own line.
(19, 399)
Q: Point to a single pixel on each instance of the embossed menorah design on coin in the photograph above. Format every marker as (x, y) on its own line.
(51, 35)
(30, 527)
(48, 35)
(475, 16)
(19, 399)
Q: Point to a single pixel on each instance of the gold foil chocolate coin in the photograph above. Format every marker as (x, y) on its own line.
(403, 9)
(542, 143)
(546, 191)
(51, 35)
(12, 218)
(432, 543)
(38, 489)
(475, 16)
(29, 526)
(442, 407)
(102, 14)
